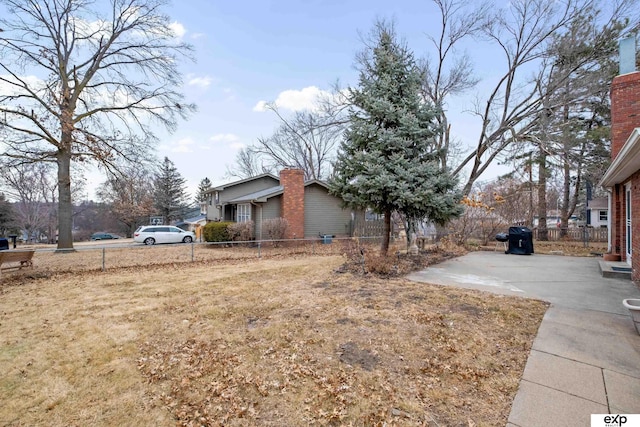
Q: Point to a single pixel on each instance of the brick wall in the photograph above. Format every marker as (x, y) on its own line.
(635, 226)
(293, 202)
(625, 109)
(616, 219)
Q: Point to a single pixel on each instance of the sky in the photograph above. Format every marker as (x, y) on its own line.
(285, 51)
(249, 53)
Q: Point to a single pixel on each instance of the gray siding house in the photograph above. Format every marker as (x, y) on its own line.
(323, 213)
(307, 206)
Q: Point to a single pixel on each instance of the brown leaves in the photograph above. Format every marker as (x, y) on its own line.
(353, 351)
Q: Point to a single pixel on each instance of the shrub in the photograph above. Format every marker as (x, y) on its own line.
(274, 228)
(241, 231)
(384, 265)
(479, 220)
(216, 231)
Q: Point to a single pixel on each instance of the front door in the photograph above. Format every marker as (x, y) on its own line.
(627, 222)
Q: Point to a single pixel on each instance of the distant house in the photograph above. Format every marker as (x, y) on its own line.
(307, 206)
(598, 212)
(622, 179)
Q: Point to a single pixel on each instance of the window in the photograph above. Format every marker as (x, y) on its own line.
(244, 213)
(602, 215)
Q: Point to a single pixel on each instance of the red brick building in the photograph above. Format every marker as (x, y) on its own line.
(622, 179)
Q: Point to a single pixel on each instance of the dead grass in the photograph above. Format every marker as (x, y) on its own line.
(570, 248)
(279, 341)
(111, 257)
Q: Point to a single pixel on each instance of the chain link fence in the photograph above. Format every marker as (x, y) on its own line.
(123, 255)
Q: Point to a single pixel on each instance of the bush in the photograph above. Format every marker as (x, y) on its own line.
(241, 231)
(216, 231)
(274, 228)
(384, 265)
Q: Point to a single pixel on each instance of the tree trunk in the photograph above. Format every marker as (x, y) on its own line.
(543, 232)
(65, 218)
(386, 233)
(566, 193)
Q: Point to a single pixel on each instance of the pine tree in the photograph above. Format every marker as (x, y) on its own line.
(388, 160)
(171, 198)
(7, 215)
(201, 196)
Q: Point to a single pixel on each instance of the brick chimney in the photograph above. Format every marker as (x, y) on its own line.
(625, 97)
(293, 202)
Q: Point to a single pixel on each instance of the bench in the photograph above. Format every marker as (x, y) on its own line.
(18, 259)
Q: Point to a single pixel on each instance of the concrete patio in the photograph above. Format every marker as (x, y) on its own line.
(585, 358)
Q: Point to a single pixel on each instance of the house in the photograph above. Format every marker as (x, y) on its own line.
(307, 206)
(598, 212)
(622, 178)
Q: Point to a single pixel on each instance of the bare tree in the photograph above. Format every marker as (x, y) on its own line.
(248, 164)
(521, 33)
(582, 104)
(569, 133)
(308, 140)
(129, 194)
(31, 187)
(101, 80)
(525, 33)
(451, 73)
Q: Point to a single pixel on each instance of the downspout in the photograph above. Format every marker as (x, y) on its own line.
(609, 214)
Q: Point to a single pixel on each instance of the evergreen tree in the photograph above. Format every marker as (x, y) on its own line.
(7, 216)
(171, 197)
(203, 187)
(388, 160)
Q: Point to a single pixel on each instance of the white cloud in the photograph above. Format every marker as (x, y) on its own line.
(295, 100)
(178, 29)
(260, 107)
(231, 140)
(7, 86)
(183, 145)
(228, 138)
(202, 82)
(196, 36)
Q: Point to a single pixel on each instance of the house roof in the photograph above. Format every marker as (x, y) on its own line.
(318, 182)
(598, 203)
(195, 219)
(259, 196)
(263, 195)
(242, 181)
(626, 163)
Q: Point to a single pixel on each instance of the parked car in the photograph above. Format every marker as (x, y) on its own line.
(152, 234)
(104, 236)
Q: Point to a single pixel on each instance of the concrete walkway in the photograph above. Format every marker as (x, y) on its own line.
(586, 357)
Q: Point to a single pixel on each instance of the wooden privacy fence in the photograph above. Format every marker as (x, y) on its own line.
(576, 234)
(363, 228)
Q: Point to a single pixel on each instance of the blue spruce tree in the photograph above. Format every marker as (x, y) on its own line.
(388, 161)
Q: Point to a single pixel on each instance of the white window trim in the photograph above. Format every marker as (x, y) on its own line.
(243, 212)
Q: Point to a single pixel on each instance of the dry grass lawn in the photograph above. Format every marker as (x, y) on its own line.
(284, 340)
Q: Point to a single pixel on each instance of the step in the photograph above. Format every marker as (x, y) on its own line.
(617, 270)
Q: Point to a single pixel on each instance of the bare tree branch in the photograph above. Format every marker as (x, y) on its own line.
(76, 85)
